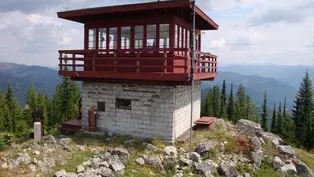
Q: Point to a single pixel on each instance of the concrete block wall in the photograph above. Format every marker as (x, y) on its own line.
(157, 111)
(182, 113)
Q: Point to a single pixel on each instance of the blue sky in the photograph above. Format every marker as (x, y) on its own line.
(251, 31)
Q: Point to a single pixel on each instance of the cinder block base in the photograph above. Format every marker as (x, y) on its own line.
(157, 111)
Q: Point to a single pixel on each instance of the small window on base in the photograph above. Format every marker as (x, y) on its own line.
(123, 104)
(101, 106)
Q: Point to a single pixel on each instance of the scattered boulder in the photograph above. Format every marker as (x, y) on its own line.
(220, 124)
(70, 174)
(117, 166)
(4, 165)
(257, 158)
(207, 166)
(122, 153)
(36, 152)
(105, 172)
(227, 169)
(140, 161)
(273, 138)
(95, 163)
(303, 170)
(247, 175)
(150, 147)
(249, 128)
(61, 173)
(80, 169)
(204, 147)
(171, 151)
(185, 161)
(256, 142)
(153, 160)
(287, 150)
(32, 168)
(64, 141)
(49, 139)
(277, 163)
(50, 162)
(288, 169)
(196, 157)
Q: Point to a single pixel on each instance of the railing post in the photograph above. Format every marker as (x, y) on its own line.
(73, 62)
(165, 62)
(138, 63)
(60, 61)
(115, 62)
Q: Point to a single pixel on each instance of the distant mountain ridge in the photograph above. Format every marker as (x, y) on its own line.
(291, 75)
(255, 87)
(20, 77)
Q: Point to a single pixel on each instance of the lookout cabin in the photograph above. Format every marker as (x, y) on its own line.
(136, 66)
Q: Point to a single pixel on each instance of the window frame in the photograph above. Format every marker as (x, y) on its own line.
(118, 102)
(101, 104)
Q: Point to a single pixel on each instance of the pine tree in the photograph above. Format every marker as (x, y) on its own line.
(265, 114)
(288, 127)
(251, 109)
(14, 109)
(279, 120)
(2, 113)
(274, 120)
(230, 106)
(216, 104)
(31, 99)
(241, 104)
(223, 101)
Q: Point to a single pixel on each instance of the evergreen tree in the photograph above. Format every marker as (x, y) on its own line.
(288, 127)
(31, 99)
(241, 104)
(302, 113)
(13, 107)
(216, 103)
(274, 120)
(223, 101)
(251, 109)
(265, 114)
(279, 120)
(230, 106)
(2, 113)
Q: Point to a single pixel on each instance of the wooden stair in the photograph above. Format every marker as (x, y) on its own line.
(71, 125)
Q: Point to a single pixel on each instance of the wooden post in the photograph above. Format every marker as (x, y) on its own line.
(73, 61)
(165, 62)
(60, 61)
(138, 63)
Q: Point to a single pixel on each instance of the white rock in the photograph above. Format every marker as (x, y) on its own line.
(80, 169)
(61, 173)
(277, 163)
(140, 161)
(171, 151)
(36, 153)
(4, 165)
(288, 169)
(288, 150)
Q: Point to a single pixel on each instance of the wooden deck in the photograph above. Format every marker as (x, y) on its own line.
(71, 125)
(205, 122)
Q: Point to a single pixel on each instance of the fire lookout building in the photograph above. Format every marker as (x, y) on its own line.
(136, 65)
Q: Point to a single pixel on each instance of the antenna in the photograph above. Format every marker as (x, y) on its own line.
(192, 69)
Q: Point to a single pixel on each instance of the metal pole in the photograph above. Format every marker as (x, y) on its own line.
(192, 42)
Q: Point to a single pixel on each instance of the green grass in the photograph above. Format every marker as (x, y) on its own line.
(306, 157)
(266, 172)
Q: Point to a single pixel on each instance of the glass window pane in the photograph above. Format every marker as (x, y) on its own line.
(102, 38)
(151, 36)
(113, 38)
(180, 37)
(138, 37)
(176, 36)
(92, 39)
(188, 39)
(184, 38)
(164, 36)
(125, 37)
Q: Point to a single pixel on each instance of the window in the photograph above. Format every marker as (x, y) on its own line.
(176, 36)
(151, 36)
(184, 38)
(92, 39)
(139, 37)
(188, 39)
(180, 37)
(102, 38)
(101, 106)
(164, 36)
(123, 104)
(113, 38)
(125, 37)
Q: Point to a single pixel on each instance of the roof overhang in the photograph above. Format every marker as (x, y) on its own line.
(84, 15)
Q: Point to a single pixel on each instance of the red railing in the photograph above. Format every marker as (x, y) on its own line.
(153, 61)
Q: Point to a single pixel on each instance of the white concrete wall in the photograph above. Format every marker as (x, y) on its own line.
(182, 113)
(157, 110)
